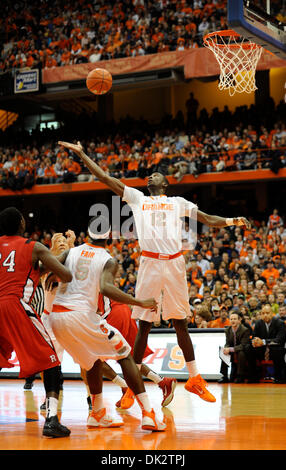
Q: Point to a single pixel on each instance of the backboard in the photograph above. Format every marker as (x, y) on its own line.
(260, 22)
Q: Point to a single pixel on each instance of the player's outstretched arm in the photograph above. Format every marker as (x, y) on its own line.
(217, 221)
(113, 183)
(108, 289)
(50, 262)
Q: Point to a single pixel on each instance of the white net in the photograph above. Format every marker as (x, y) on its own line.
(237, 58)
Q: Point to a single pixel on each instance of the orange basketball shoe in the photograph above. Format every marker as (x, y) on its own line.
(99, 419)
(198, 386)
(150, 422)
(127, 400)
(118, 403)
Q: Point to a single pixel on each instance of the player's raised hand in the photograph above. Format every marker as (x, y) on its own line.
(76, 148)
(240, 221)
(149, 303)
(70, 238)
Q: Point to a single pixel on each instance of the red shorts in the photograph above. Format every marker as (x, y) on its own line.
(120, 318)
(22, 331)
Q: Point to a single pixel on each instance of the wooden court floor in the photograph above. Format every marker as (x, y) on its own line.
(244, 417)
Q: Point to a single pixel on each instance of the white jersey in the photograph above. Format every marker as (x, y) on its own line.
(86, 262)
(158, 220)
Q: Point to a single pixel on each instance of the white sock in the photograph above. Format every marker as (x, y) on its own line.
(143, 401)
(51, 406)
(139, 366)
(97, 402)
(154, 377)
(120, 382)
(192, 368)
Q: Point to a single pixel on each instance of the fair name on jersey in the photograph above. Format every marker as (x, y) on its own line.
(87, 254)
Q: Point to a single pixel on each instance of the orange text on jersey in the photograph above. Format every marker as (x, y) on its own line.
(87, 254)
(158, 207)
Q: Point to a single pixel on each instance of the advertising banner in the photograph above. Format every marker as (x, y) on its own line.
(26, 81)
(167, 358)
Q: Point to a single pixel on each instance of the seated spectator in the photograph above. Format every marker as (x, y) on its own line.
(201, 316)
(268, 344)
(215, 312)
(272, 301)
(249, 162)
(237, 346)
(95, 53)
(274, 220)
(132, 167)
(270, 271)
(130, 284)
(203, 263)
(40, 174)
(21, 177)
(50, 175)
(223, 320)
(72, 170)
(282, 313)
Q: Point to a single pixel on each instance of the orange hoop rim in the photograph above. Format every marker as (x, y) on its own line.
(226, 33)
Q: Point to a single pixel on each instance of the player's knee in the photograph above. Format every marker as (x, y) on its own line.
(144, 327)
(180, 324)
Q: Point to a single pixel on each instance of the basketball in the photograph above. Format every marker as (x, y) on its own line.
(99, 81)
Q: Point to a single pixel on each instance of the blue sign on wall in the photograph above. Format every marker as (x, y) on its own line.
(26, 81)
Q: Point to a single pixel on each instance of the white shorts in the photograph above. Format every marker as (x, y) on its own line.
(166, 281)
(45, 317)
(87, 337)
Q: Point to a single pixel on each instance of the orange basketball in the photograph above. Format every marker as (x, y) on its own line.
(99, 81)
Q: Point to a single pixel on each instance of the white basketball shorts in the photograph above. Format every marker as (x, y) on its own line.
(87, 337)
(166, 281)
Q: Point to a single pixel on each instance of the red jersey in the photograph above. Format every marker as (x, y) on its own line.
(21, 329)
(119, 316)
(17, 274)
(105, 305)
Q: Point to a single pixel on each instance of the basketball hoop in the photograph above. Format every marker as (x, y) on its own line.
(237, 58)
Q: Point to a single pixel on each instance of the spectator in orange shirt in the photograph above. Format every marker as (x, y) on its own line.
(71, 170)
(66, 57)
(270, 271)
(274, 220)
(50, 175)
(223, 320)
(76, 46)
(50, 62)
(132, 167)
(158, 35)
(271, 282)
(193, 270)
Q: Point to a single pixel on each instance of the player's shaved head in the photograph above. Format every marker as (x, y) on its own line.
(11, 222)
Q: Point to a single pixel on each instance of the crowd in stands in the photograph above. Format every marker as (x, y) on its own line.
(219, 141)
(57, 33)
